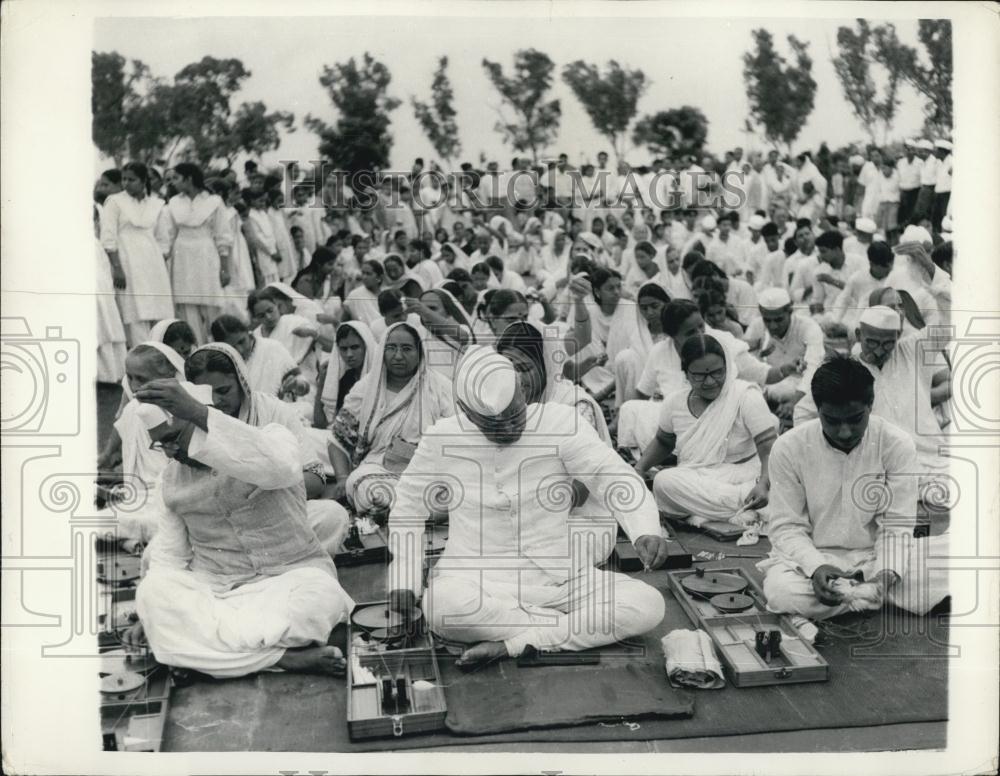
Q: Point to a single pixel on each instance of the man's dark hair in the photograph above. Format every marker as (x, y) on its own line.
(840, 380)
(831, 239)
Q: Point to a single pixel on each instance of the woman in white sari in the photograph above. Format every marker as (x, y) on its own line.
(351, 360)
(448, 327)
(270, 367)
(597, 307)
(722, 432)
(633, 337)
(130, 443)
(383, 417)
(453, 257)
(552, 268)
(361, 303)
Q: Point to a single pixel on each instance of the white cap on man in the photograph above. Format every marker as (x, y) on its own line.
(756, 223)
(881, 317)
(943, 144)
(152, 415)
(708, 223)
(915, 234)
(925, 144)
(485, 381)
(773, 299)
(865, 225)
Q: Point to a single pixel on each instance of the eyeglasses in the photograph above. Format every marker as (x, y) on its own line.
(717, 375)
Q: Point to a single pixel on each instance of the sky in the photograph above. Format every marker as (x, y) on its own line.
(693, 61)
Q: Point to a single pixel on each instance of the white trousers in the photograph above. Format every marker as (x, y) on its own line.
(237, 632)
(591, 609)
(789, 590)
(712, 492)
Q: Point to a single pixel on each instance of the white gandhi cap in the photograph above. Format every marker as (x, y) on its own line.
(151, 416)
(773, 299)
(485, 381)
(708, 223)
(881, 317)
(756, 222)
(865, 225)
(915, 234)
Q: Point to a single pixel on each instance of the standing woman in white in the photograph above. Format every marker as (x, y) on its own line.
(202, 239)
(135, 235)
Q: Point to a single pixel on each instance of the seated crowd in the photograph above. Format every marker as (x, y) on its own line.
(510, 369)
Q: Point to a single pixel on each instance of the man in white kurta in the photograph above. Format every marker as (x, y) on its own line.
(903, 370)
(780, 336)
(514, 572)
(237, 581)
(843, 500)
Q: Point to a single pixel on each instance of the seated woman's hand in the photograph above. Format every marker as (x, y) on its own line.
(169, 395)
(758, 496)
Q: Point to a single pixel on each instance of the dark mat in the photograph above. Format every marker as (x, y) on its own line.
(554, 696)
(884, 669)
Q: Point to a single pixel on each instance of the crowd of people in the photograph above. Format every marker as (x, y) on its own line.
(741, 340)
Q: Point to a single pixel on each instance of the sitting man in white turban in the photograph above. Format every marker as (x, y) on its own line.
(904, 369)
(778, 336)
(512, 573)
(843, 501)
(237, 580)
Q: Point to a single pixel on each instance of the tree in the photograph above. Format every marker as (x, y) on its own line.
(858, 51)
(537, 122)
(781, 94)
(672, 133)
(438, 118)
(253, 131)
(610, 100)
(360, 139)
(200, 105)
(932, 81)
(113, 100)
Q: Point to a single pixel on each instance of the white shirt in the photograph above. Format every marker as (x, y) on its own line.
(854, 298)
(826, 293)
(909, 173)
(928, 172)
(942, 181)
(888, 188)
(804, 339)
(508, 516)
(817, 498)
(730, 256)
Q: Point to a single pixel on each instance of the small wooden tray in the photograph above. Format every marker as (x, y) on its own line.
(626, 559)
(366, 717)
(734, 637)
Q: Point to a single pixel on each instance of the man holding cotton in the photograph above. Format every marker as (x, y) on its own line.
(515, 571)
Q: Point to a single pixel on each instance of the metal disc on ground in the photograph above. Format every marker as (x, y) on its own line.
(729, 603)
(380, 617)
(123, 682)
(713, 584)
(119, 661)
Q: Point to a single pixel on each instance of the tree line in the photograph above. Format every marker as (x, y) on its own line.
(137, 115)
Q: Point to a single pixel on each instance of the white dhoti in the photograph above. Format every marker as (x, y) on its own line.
(329, 521)
(189, 623)
(637, 423)
(628, 367)
(591, 609)
(921, 587)
(712, 492)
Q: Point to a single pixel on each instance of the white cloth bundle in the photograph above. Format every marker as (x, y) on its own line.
(691, 660)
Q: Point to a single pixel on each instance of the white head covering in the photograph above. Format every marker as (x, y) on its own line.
(756, 222)
(945, 144)
(857, 160)
(591, 239)
(159, 329)
(881, 317)
(168, 352)
(335, 368)
(485, 381)
(915, 234)
(773, 299)
(708, 223)
(927, 145)
(151, 416)
(865, 225)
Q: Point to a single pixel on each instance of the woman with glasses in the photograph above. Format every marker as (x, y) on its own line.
(382, 419)
(721, 431)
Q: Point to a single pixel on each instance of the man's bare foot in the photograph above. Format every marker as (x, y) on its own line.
(314, 660)
(482, 653)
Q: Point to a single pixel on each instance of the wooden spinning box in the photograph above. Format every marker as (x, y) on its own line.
(394, 686)
(755, 646)
(363, 548)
